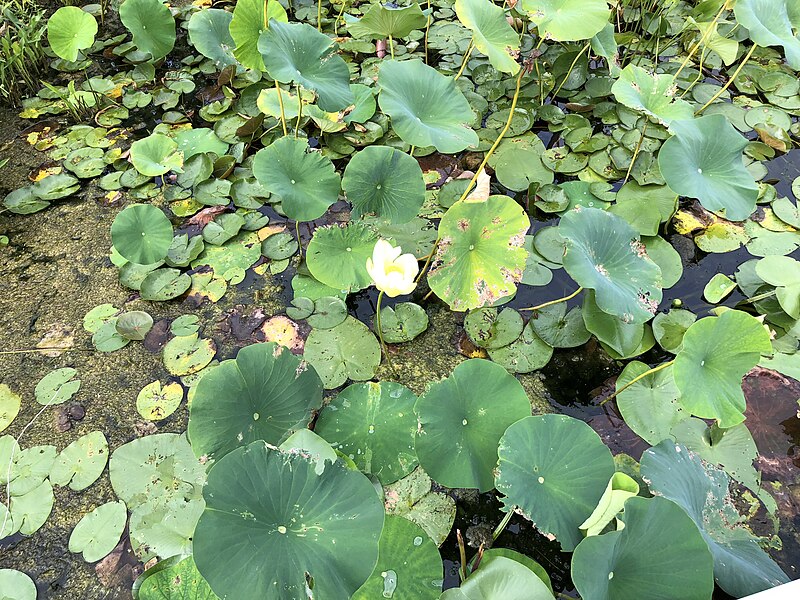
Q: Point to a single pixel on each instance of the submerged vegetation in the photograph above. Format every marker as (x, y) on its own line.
(536, 174)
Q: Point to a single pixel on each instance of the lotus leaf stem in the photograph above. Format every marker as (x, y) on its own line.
(556, 301)
(380, 333)
(391, 46)
(299, 116)
(728, 83)
(635, 153)
(571, 67)
(502, 525)
(638, 378)
(462, 571)
(701, 41)
(464, 60)
(280, 103)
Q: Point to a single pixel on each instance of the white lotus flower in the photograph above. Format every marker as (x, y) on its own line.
(391, 271)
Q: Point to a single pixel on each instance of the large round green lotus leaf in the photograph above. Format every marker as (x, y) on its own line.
(559, 328)
(741, 567)
(374, 425)
(568, 20)
(604, 254)
(16, 585)
(199, 140)
(481, 254)
(491, 33)
(337, 255)
(409, 566)
(703, 160)
(784, 273)
(298, 52)
(384, 181)
(70, 29)
(142, 234)
(555, 469)
(347, 351)
(426, 108)
(306, 181)
(650, 406)
(172, 579)
(651, 93)
(501, 579)
(272, 527)
(152, 26)
(247, 25)
(770, 23)
(461, 420)
(264, 394)
(98, 532)
(156, 155)
(209, 32)
(381, 21)
(660, 551)
(716, 354)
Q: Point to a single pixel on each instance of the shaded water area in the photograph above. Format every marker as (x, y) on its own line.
(56, 268)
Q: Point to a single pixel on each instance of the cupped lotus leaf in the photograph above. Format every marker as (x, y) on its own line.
(209, 32)
(152, 26)
(604, 254)
(69, 30)
(491, 33)
(481, 255)
(651, 93)
(384, 181)
(568, 20)
(98, 532)
(670, 327)
(305, 181)
(770, 23)
(17, 585)
(134, 325)
(248, 23)
(142, 234)
(347, 351)
(493, 553)
(501, 579)
(156, 155)
(381, 21)
(426, 108)
(81, 463)
(703, 160)
(337, 255)
(297, 52)
(409, 566)
(300, 527)
(784, 273)
(461, 421)
(660, 550)
(650, 406)
(264, 394)
(619, 489)
(555, 469)
(175, 578)
(374, 425)
(716, 354)
(741, 567)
